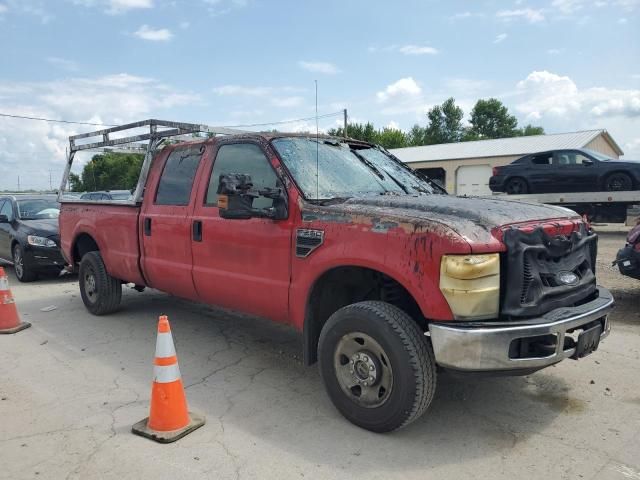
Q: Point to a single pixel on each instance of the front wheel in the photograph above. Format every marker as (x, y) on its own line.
(21, 266)
(101, 293)
(377, 366)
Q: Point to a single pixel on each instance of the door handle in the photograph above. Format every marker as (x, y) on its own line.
(147, 226)
(197, 230)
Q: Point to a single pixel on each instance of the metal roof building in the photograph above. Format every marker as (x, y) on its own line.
(465, 167)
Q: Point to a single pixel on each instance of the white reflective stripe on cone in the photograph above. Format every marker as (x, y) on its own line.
(164, 346)
(4, 284)
(167, 374)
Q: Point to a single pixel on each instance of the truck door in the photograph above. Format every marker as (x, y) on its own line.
(165, 227)
(241, 264)
(578, 169)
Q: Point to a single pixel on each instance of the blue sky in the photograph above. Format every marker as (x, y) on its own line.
(564, 64)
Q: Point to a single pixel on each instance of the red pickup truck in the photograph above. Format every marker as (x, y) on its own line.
(388, 278)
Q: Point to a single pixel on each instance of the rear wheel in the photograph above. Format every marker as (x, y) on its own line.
(618, 182)
(101, 293)
(517, 186)
(377, 366)
(23, 269)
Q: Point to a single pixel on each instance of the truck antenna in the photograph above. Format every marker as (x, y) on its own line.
(317, 148)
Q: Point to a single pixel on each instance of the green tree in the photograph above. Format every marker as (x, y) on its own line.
(108, 171)
(445, 123)
(529, 130)
(416, 136)
(392, 138)
(491, 119)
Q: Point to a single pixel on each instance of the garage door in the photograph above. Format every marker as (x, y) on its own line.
(473, 180)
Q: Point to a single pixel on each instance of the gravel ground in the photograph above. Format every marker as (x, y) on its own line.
(73, 384)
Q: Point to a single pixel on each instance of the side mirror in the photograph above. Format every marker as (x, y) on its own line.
(587, 162)
(236, 195)
(4, 219)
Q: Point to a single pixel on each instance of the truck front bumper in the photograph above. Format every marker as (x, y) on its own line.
(520, 346)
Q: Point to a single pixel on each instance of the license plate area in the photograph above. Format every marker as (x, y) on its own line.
(588, 341)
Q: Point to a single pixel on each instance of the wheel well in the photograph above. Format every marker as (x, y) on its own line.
(83, 245)
(14, 242)
(343, 286)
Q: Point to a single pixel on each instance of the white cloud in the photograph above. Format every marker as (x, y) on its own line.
(218, 8)
(622, 21)
(122, 6)
(34, 147)
(402, 89)
(287, 102)
(549, 94)
(319, 67)
(417, 50)
(3, 8)
(154, 35)
(555, 51)
(528, 14)
(393, 125)
(63, 63)
(500, 38)
(274, 96)
(568, 6)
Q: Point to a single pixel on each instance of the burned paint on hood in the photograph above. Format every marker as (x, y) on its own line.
(472, 218)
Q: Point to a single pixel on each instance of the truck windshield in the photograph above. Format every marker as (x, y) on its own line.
(38, 209)
(329, 168)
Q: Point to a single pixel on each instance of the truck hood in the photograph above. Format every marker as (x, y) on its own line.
(472, 218)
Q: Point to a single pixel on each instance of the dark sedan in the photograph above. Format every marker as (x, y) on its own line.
(29, 235)
(559, 171)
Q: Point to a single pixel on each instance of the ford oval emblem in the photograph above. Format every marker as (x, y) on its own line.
(567, 278)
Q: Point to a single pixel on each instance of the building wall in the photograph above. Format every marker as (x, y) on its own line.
(451, 166)
(599, 144)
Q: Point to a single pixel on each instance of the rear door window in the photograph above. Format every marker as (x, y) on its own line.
(542, 159)
(177, 177)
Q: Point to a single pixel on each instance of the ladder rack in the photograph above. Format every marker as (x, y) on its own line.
(158, 130)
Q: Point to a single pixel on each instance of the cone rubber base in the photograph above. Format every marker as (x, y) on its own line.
(141, 428)
(21, 326)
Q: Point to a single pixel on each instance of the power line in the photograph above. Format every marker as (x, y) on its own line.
(70, 122)
(51, 120)
(285, 121)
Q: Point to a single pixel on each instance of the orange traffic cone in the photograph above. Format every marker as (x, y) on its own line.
(9, 319)
(169, 419)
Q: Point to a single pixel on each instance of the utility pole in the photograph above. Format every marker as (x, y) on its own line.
(18, 182)
(345, 124)
(50, 181)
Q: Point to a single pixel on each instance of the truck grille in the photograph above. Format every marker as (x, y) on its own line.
(543, 272)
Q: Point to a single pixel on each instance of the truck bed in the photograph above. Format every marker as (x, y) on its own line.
(114, 228)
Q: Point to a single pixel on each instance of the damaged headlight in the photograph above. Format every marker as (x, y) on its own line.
(471, 285)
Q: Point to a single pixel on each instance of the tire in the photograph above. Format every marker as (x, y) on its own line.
(101, 293)
(392, 346)
(517, 186)
(618, 182)
(23, 270)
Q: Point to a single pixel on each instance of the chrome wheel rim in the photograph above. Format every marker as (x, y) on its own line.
(18, 262)
(90, 286)
(363, 370)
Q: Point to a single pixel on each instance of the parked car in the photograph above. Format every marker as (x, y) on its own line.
(29, 235)
(386, 277)
(628, 258)
(107, 195)
(559, 171)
